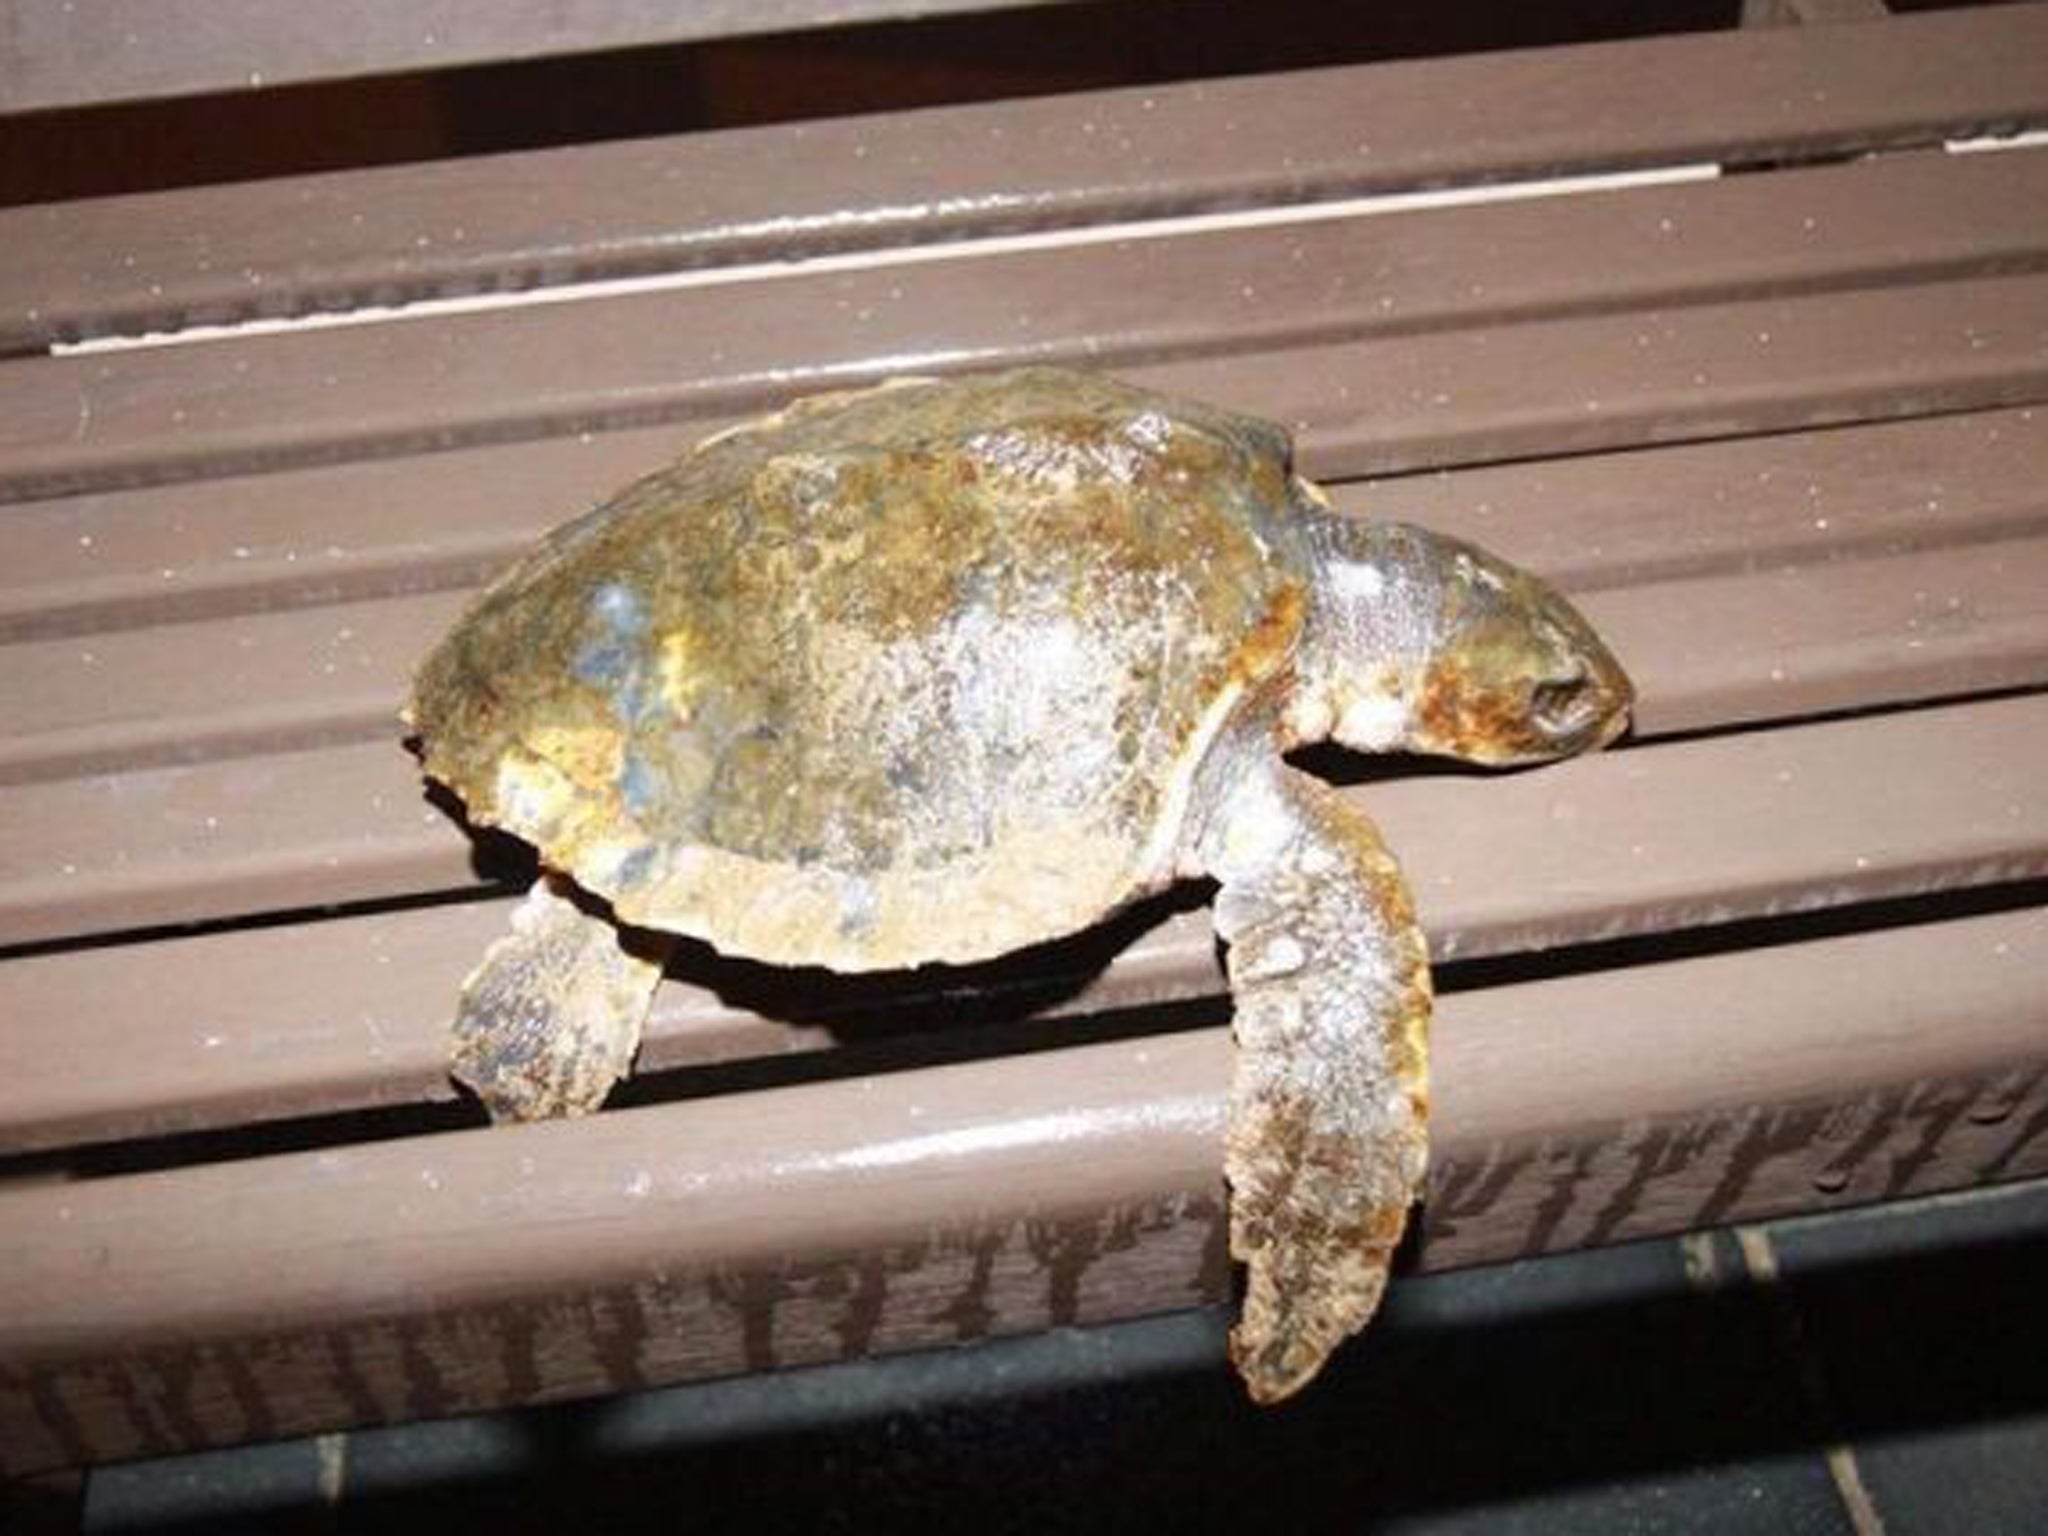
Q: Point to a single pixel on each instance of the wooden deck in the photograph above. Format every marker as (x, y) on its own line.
(1783, 429)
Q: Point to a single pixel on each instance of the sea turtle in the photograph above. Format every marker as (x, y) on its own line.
(937, 669)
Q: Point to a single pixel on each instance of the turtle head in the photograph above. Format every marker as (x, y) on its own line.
(1422, 643)
(1518, 675)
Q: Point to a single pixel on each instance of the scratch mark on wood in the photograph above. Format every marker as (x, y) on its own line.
(346, 1375)
(864, 1302)
(1653, 1154)
(969, 1312)
(1472, 1187)
(1938, 1109)
(54, 1415)
(618, 1344)
(2005, 1161)
(1767, 1134)
(154, 1383)
(752, 1296)
(1064, 1249)
(1556, 1206)
(1879, 1116)
(510, 1339)
(426, 1390)
(247, 1393)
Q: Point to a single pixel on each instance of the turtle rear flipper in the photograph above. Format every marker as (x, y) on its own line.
(552, 1018)
(1326, 1144)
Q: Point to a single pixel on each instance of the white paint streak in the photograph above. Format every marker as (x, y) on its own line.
(1197, 1113)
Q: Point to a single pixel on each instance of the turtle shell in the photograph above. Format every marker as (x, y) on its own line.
(920, 672)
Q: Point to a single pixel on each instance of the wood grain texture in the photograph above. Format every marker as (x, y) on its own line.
(322, 1016)
(1364, 329)
(432, 1275)
(515, 221)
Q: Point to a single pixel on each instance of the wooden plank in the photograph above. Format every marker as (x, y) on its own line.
(1504, 260)
(345, 1013)
(114, 559)
(1793, 641)
(1225, 291)
(332, 672)
(1744, 504)
(58, 55)
(310, 825)
(341, 533)
(1763, 644)
(436, 1275)
(1543, 388)
(1365, 403)
(227, 687)
(338, 241)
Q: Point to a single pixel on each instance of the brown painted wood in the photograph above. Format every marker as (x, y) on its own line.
(312, 824)
(336, 241)
(1329, 337)
(1744, 504)
(229, 687)
(57, 55)
(340, 533)
(1794, 641)
(1542, 388)
(1762, 644)
(1890, 220)
(436, 1274)
(345, 1013)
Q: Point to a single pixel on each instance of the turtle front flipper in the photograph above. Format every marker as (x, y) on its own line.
(552, 1018)
(1326, 1145)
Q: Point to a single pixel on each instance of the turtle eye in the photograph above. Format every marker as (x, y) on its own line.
(1562, 706)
